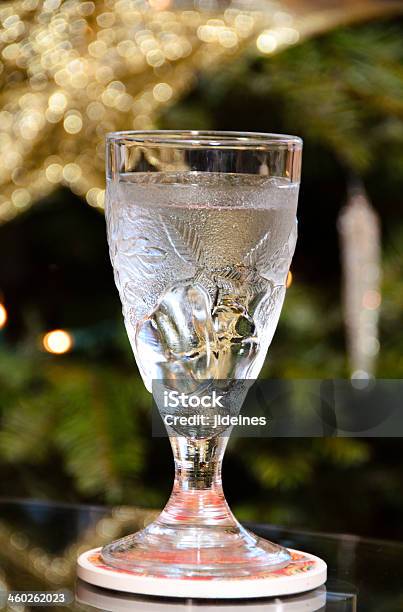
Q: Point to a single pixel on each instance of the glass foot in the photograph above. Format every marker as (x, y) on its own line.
(195, 551)
(196, 535)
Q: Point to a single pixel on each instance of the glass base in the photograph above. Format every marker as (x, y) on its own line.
(195, 551)
(196, 535)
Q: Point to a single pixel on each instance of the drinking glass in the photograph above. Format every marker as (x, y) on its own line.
(202, 229)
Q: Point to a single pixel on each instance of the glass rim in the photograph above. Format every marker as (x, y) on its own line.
(204, 139)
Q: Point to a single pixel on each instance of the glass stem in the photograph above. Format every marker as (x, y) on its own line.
(197, 496)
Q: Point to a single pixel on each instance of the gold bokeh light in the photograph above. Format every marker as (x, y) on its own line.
(72, 70)
(3, 316)
(58, 342)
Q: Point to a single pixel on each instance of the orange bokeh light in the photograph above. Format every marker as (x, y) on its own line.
(57, 342)
(3, 316)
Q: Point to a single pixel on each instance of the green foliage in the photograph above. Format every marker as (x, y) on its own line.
(301, 348)
(391, 328)
(343, 91)
(90, 416)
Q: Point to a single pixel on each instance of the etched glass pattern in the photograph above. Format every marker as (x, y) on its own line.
(201, 261)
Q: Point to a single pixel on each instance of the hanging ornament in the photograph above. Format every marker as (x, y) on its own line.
(359, 229)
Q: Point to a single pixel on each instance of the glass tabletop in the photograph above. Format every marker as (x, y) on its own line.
(40, 542)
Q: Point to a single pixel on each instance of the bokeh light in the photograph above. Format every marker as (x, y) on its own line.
(371, 299)
(3, 316)
(87, 68)
(267, 42)
(57, 341)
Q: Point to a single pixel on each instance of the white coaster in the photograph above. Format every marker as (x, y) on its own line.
(304, 573)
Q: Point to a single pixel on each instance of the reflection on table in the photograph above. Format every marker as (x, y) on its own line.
(40, 542)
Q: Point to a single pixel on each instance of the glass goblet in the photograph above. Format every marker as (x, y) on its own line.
(201, 229)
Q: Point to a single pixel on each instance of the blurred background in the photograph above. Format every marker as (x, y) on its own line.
(74, 413)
